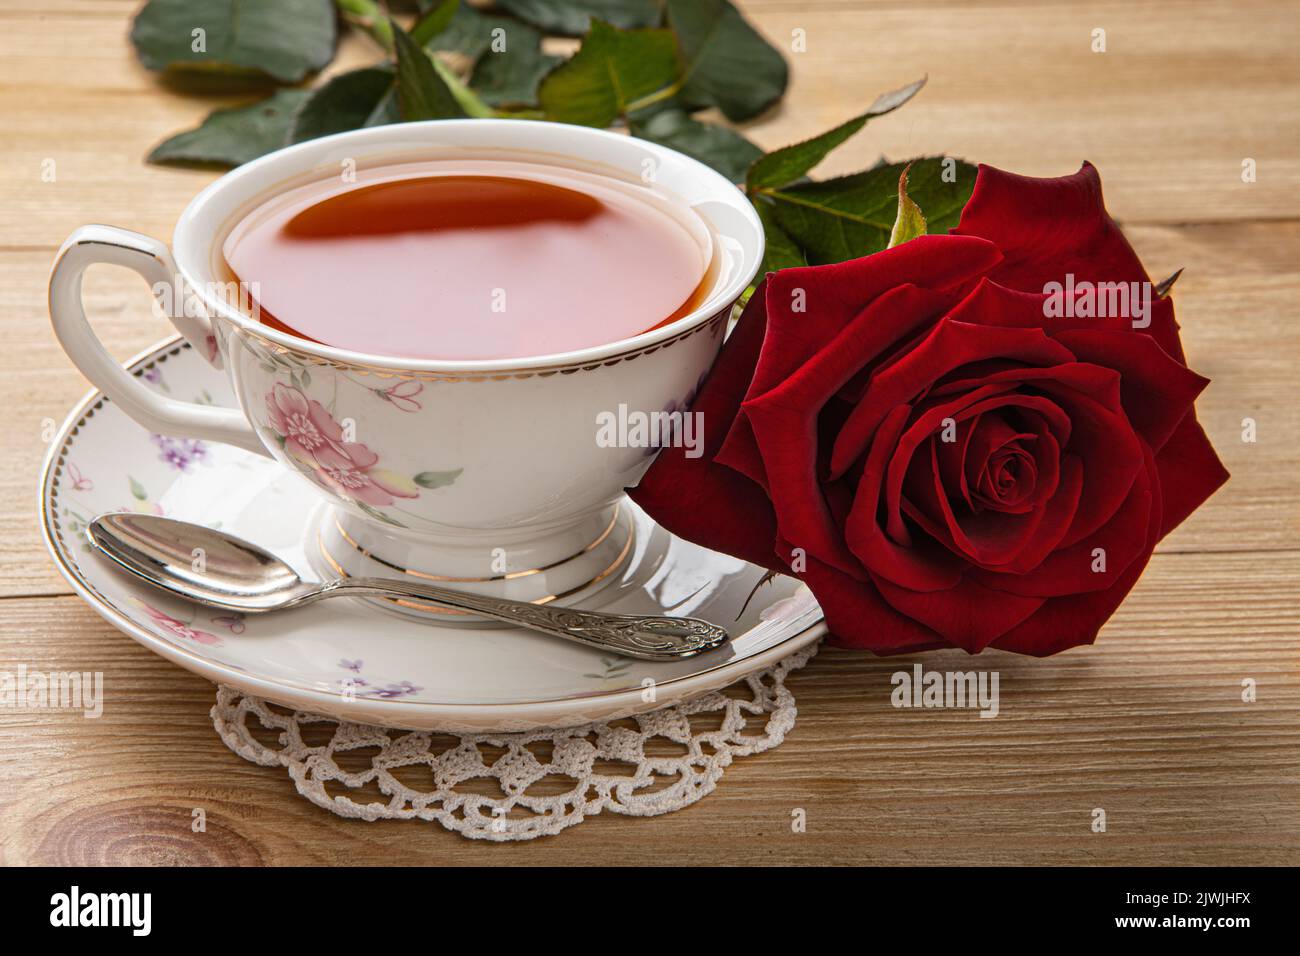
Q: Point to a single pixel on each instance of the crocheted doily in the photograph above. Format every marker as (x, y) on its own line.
(545, 781)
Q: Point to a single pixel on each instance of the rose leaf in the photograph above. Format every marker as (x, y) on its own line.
(282, 39)
(783, 166)
(511, 75)
(230, 137)
(434, 21)
(780, 251)
(573, 17)
(422, 93)
(612, 74)
(852, 216)
(724, 149)
(727, 63)
(909, 222)
(470, 33)
(348, 101)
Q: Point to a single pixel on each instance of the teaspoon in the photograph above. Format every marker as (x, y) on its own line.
(235, 575)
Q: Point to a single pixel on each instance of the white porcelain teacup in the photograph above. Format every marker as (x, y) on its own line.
(486, 474)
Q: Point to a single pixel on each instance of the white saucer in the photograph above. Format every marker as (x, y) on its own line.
(346, 658)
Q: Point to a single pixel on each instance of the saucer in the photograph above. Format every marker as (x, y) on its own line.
(349, 658)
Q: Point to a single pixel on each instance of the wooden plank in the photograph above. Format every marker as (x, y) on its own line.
(1148, 724)
(1015, 87)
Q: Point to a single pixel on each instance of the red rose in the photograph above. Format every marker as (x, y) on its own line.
(934, 448)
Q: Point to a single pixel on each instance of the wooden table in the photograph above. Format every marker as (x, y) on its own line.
(1149, 724)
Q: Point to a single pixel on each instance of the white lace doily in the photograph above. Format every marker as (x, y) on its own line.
(542, 781)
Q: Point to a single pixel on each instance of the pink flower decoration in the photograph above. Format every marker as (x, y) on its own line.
(180, 628)
(402, 395)
(303, 423)
(312, 437)
(79, 481)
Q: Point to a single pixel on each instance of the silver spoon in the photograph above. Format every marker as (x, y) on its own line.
(235, 575)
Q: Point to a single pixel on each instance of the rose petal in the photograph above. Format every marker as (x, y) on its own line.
(1156, 390)
(1069, 621)
(921, 568)
(785, 426)
(1048, 228)
(725, 388)
(953, 455)
(949, 346)
(1190, 472)
(859, 619)
(988, 539)
(1100, 434)
(833, 295)
(1070, 570)
(968, 615)
(698, 499)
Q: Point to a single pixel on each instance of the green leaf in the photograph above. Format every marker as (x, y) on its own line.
(369, 17)
(470, 32)
(724, 149)
(610, 73)
(378, 515)
(388, 110)
(727, 63)
(512, 76)
(230, 137)
(422, 94)
(853, 216)
(469, 101)
(573, 17)
(137, 489)
(346, 102)
(437, 479)
(283, 39)
(507, 56)
(434, 21)
(909, 222)
(783, 166)
(779, 251)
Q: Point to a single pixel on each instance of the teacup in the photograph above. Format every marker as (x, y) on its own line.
(489, 475)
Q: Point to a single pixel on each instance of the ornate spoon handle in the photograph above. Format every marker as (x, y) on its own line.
(651, 638)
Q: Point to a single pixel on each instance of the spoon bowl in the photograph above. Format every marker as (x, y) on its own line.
(196, 562)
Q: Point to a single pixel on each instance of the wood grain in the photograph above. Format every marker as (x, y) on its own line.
(1149, 724)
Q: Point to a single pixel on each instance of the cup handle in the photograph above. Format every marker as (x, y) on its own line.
(152, 260)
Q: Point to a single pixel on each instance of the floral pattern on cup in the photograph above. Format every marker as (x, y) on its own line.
(313, 438)
(402, 395)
